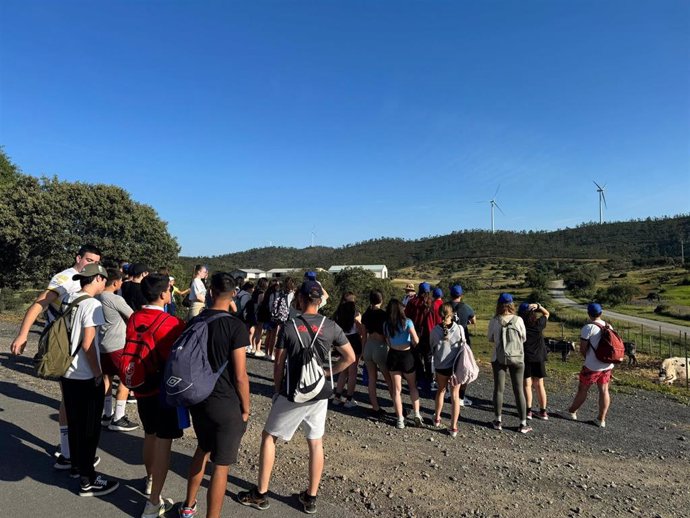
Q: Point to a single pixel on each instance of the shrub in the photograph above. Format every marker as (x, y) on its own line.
(617, 294)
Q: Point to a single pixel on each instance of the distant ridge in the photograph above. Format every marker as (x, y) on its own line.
(640, 241)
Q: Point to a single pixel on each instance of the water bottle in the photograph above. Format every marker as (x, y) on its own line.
(183, 418)
(365, 376)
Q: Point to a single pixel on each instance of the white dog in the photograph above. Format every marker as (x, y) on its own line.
(673, 369)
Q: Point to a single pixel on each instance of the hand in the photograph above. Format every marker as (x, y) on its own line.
(18, 345)
(245, 416)
(98, 380)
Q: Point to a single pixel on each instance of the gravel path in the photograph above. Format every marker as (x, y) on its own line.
(637, 466)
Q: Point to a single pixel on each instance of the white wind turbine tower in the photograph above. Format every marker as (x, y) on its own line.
(602, 199)
(493, 204)
(313, 235)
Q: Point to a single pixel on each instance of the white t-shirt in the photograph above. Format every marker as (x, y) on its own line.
(89, 313)
(592, 333)
(62, 284)
(198, 291)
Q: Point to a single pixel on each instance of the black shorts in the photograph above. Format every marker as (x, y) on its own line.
(356, 343)
(400, 361)
(535, 370)
(219, 429)
(157, 419)
(445, 372)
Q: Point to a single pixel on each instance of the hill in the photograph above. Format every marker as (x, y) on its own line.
(641, 242)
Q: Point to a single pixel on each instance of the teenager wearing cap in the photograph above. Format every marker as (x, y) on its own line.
(593, 371)
(131, 291)
(464, 316)
(82, 384)
(505, 313)
(535, 317)
(286, 416)
(61, 285)
(420, 311)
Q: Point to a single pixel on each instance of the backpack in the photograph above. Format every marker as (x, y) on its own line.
(279, 309)
(312, 378)
(54, 343)
(509, 349)
(189, 378)
(140, 364)
(465, 369)
(242, 301)
(611, 348)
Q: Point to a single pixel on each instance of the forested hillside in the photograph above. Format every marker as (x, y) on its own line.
(640, 242)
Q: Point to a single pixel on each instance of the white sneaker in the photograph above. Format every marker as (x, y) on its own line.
(600, 424)
(350, 403)
(572, 415)
(259, 354)
(465, 402)
(154, 511)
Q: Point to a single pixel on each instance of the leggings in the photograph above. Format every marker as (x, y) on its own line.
(517, 373)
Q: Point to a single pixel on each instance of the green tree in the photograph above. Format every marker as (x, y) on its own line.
(361, 282)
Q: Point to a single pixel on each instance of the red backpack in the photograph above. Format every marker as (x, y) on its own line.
(140, 367)
(610, 348)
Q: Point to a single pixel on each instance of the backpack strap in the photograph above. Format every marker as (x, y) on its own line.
(73, 305)
(589, 340)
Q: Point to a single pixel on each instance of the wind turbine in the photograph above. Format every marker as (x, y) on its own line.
(493, 204)
(602, 198)
(313, 235)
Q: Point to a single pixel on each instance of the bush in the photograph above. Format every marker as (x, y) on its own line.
(684, 282)
(468, 285)
(581, 279)
(537, 279)
(539, 295)
(10, 300)
(617, 294)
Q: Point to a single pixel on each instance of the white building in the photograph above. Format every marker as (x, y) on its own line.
(379, 270)
(276, 273)
(248, 273)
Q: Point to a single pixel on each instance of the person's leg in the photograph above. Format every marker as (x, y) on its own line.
(315, 465)
(499, 382)
(120, 401)
(580, 397)
(196, 475)
(541, 393)
(442, 382)
(148, 453)
(256, 345)
(352, 377)
(216, 490)
(340, 387)
(267, 457)
(414, 393)
(95, 395)
(108, 401)
(62, 427)
(455, 403)
(528, 393)
(373, 378)
(604, 401)
(396, 378)
(517, 374)
(159, 467)
(71, 404)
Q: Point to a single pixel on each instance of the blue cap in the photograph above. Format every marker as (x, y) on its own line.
(438, 293)
(310, 275)
(505, 298)
(594, 309)
(311, 289)
(424, 287)
(456, 291)
(524, 307)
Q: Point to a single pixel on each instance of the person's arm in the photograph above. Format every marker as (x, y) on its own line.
(278, 368)
(239, 362)
(347, 357)
(123, 308)
(414, 338)
(183, 293)
(490, 334)
(541, 309)
(584, 345)
(91, 352)
(39, 306)
(472, 319)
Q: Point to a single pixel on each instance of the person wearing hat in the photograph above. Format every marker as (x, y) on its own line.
(505, 321)
(311, 276)
(464, 316)
(61, 285)
(82, 384)
(131, 291)
(593, 371)
(410, 293)
(535, 317)
(421, 311)
(286, 415)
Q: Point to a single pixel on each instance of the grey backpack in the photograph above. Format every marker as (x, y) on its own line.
(510, 350)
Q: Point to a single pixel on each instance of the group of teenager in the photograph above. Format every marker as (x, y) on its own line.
(418, 338)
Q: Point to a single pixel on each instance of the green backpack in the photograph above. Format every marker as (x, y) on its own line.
(510, 350)
(54, 343)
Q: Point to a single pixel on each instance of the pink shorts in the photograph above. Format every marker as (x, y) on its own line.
(589, 377)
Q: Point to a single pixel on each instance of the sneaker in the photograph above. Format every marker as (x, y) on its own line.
(62, 463)
(523, 428)
(259, 354)
(497, 425)
(437, 423)
(156, 510)
(308, 502)
(74, 472)
(572, 415)
(418, 421)
(122, 425)
(600, 424)
(400, 424)
(186, 511)
(434, 386)
(336, 401)
(350, 403)
(105, 420)
(99, 486)
(453, 432)
(465, 402)
(131, 400)
(529, 414)
(253, 499)
(543, 415)
(148, 483)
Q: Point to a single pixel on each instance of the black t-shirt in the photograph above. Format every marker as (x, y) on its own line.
(535, 348)
(224, 336)
(331, 335)
(463, 314)
(373, 320)
(131, 292)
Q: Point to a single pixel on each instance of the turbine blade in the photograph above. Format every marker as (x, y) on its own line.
(499, 208)
(598, 186)
(497, 189)
(603, 197)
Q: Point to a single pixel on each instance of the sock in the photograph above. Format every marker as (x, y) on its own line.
(108, 406)
(498, 418)
(119, 409)
(64, 442)
(417, 414)
(523, 422)
(542, 409)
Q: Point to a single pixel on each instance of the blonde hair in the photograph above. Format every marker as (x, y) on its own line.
(446, 312)
(505, 308)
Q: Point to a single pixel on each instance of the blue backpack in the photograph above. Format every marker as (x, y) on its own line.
(189, 378)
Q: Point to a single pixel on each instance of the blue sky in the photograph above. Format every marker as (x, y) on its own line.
(249, 123)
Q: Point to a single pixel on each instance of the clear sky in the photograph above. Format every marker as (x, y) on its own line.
(257, 122)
